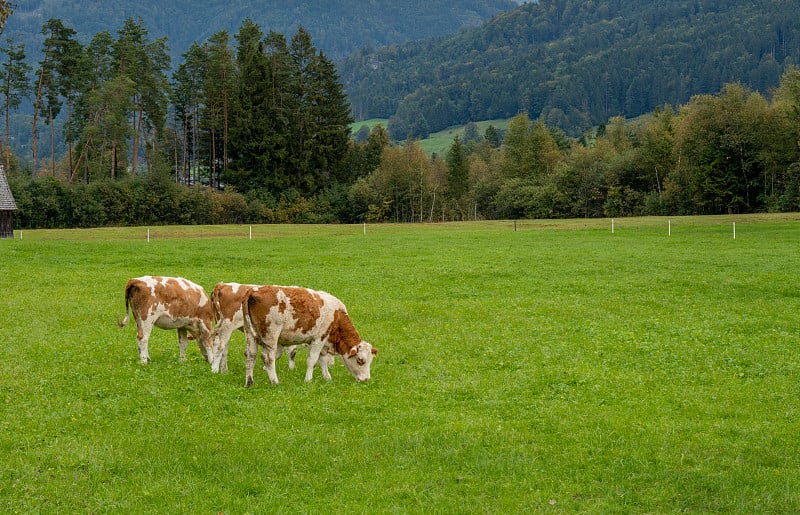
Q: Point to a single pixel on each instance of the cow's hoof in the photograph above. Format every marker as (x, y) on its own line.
(248, 382)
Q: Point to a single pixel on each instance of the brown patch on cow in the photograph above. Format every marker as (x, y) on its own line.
(342, 333)
(180, 301)
(137, 296)
(306, 306)
(259, 303)
(281, 307)
(225, 302)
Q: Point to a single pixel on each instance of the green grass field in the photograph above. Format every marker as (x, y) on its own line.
(559, 367)
(438, 142)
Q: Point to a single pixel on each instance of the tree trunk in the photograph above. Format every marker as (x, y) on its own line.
(52, 144)
(5, 150)
(69, 143)
(36, 113)
(137, 123)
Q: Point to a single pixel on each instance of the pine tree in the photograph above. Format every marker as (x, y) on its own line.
(457, 171)
(219, 80)
(144, 63)
(15, 86)
(63, 76)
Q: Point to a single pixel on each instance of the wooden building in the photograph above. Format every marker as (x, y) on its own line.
(7, 207)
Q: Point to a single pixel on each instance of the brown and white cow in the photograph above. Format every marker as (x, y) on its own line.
(169, 303)
(226, 304)
(289, 315)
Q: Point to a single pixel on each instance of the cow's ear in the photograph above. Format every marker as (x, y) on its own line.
(374, 351)
(353, 352)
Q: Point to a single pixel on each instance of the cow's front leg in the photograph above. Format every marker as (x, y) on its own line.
(222, 336)
(250, 352)
(205, 345)
(278, 353)
(324, 361)
(313, 357)
(183, 343)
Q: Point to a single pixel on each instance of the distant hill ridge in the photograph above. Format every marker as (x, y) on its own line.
(575, 63)
(338, 27)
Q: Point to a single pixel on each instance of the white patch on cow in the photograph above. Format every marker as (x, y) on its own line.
(151, 283)
(358, 361)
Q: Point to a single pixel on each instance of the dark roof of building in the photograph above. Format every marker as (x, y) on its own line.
(6, 198)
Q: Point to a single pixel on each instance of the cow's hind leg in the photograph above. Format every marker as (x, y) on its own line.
(142, 338)
(250, 351)
(290, 354)
(270, 353)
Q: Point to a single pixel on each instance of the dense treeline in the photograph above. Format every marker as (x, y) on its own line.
(574, 63)
(732, 152)
(266, 115)
(255, 128)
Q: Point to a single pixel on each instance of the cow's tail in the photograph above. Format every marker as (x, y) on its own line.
(215, 307)
(124, 321)
(249, 330)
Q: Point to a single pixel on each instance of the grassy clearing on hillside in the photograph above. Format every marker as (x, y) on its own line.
(555, 367)
(438, 142)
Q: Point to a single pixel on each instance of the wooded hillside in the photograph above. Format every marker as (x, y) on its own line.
(338, 27)
(575, 63)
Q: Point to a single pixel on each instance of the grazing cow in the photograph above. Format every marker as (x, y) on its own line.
(169, 303)
(288, 315)
(226, 304)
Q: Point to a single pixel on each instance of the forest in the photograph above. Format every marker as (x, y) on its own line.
(574, 63)
(339, 27)
(255, 128)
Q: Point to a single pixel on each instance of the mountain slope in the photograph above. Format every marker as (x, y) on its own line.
(338, 27)
(576, 63)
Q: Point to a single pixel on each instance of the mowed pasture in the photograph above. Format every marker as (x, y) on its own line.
(556, 367)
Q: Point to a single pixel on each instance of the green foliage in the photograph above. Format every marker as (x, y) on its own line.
(47, 202)
(574, 64)
(289, 120)
(556, 368)
(457, 171)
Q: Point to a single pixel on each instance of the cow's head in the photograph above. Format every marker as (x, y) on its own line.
(358, 360)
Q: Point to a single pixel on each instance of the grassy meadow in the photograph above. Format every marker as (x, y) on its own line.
(558, 367)
(438, 143)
